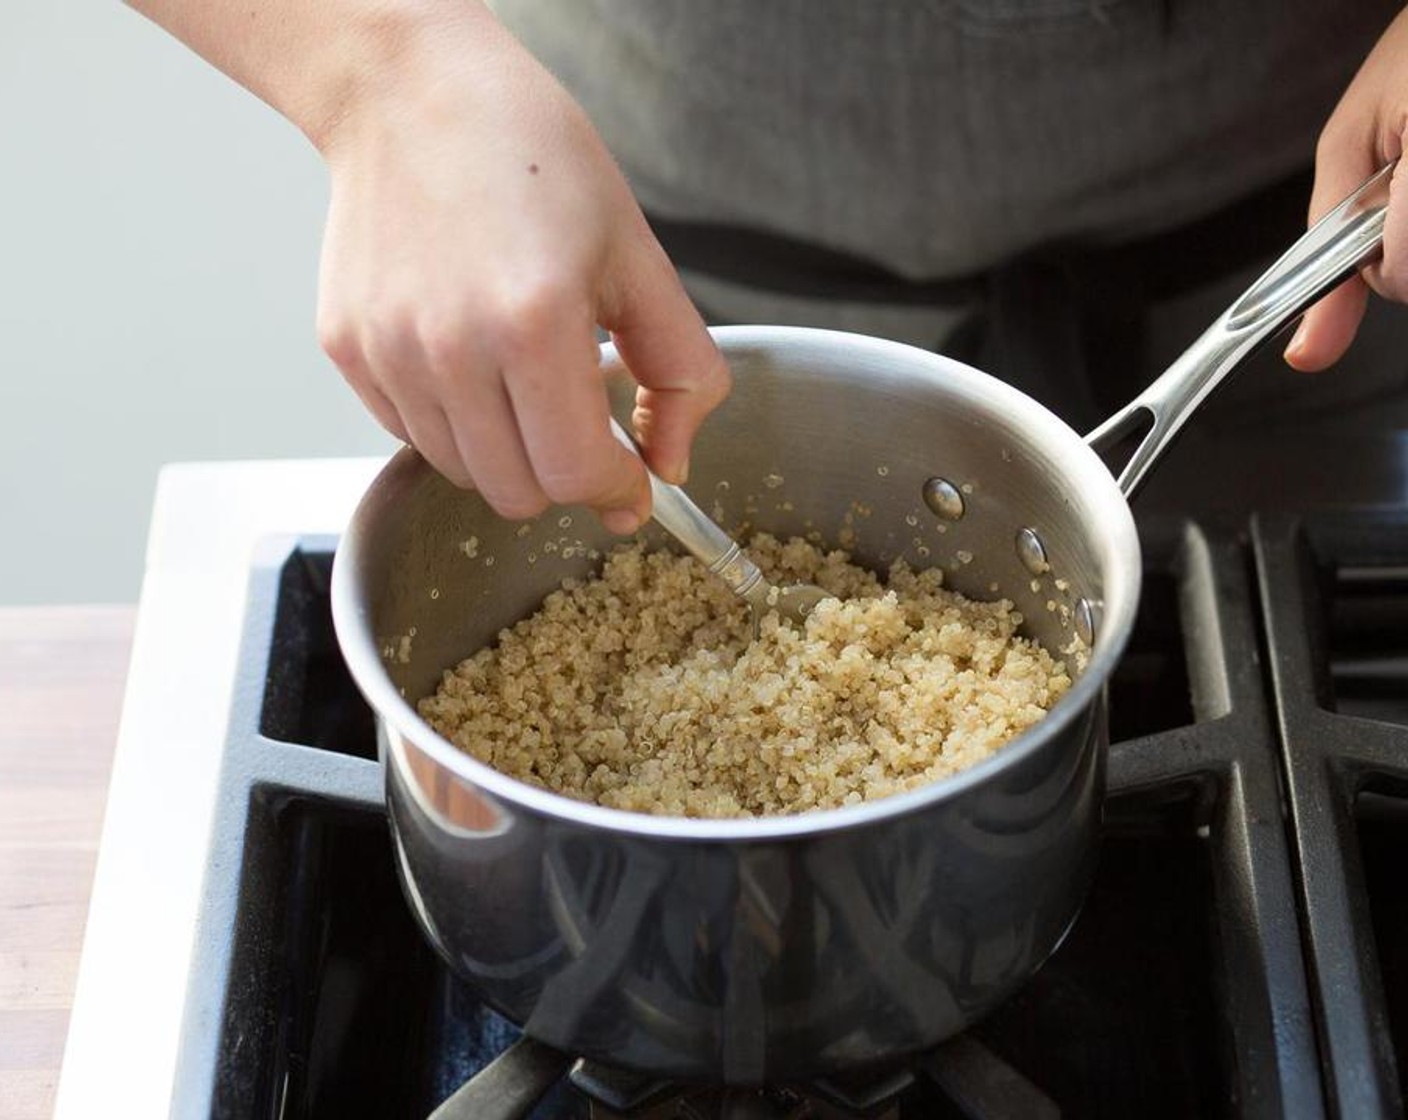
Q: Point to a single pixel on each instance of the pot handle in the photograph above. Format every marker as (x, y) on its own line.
(1345, 239)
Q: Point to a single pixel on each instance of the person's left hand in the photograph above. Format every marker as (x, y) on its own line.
(1365, 131)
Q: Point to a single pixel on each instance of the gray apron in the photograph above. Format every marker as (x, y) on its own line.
(1004, 180)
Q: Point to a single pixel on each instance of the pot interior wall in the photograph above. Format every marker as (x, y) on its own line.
(814, 438)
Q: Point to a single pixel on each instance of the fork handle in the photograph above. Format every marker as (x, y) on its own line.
(678, 515)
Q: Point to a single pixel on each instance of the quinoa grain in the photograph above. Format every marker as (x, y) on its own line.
(639, 688)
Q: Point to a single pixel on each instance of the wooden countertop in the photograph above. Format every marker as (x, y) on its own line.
(62, 671)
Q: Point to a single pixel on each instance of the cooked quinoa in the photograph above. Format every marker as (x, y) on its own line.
(640, 688)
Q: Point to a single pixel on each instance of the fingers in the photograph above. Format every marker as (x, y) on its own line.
(667, 349)
(381, 408)
(378, 404)
(389, 349)
(463, 380)
(559, 404)
(1343, 160)
(482, 427)
(1328, 328)
(339, 341)
(514, 407)
(1389, 277)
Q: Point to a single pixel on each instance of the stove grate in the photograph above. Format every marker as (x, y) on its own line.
(1180, 991)
(1335, 589)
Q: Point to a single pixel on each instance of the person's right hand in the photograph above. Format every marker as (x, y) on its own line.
(478, 233)
(1366, 131)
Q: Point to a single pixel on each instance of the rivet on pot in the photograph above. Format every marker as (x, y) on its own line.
(1032, 552)
(1085, 621)
(943, 497)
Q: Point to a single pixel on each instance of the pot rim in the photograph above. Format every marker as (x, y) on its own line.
(1085, 474)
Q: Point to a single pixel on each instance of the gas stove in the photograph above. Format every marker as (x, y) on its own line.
(1241, 951)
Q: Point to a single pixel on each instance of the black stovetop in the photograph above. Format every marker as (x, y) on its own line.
(1244, 950)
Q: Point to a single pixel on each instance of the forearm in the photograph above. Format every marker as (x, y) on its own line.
(317, 61)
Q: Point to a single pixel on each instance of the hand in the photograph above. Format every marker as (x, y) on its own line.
(1365, 131)
(478, 233)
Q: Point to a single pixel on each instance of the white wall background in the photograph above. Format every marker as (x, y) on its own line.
(159, 235)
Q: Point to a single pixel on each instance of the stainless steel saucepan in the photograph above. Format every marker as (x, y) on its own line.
(776, 948)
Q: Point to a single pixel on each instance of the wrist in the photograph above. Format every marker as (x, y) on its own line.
(387, 51)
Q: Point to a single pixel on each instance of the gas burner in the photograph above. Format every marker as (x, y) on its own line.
(617, 1095)
(973, 1081)
(620, 1095)
(965, 1075)
(742, 1104)
(725, 1104)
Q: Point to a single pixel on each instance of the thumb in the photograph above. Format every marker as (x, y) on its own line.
(663, 342)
